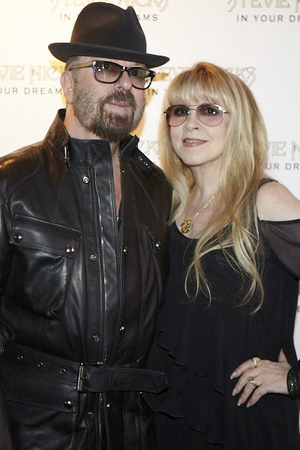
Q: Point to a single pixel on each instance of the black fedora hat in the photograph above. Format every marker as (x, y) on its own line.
(105, 30)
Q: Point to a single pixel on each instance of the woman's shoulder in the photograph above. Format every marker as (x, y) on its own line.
(276, 203)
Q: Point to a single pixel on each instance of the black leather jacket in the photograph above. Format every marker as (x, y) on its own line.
(74, 290)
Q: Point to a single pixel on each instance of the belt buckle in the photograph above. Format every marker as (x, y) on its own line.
(81, 373)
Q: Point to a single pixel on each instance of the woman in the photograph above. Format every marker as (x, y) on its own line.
(234, 271)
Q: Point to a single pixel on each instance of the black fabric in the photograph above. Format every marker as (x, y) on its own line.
(90, 377)
(200, 343)
(75, 287)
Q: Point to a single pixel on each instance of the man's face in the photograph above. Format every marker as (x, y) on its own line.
(108, 111)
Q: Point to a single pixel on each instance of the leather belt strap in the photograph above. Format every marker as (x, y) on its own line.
(86, 377)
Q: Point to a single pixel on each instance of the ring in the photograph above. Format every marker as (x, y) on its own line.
(256, 360)
(253, 382)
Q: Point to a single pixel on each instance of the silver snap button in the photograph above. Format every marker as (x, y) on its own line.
(158, 245)
(17, 237)
(68, 404)
(70, 248)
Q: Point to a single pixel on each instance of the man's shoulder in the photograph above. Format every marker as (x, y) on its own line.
(21, 165)
(19, 156)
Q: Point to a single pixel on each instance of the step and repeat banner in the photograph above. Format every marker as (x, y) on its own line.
(256, 39)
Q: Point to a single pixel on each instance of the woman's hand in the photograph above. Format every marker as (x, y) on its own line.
(262, 378)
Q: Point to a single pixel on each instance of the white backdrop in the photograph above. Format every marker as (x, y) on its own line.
(256, 39)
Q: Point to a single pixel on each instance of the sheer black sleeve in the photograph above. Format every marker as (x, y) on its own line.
(284, 239)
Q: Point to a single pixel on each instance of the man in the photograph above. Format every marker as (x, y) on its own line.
(83, 253)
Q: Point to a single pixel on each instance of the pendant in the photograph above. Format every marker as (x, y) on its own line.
(186, 226)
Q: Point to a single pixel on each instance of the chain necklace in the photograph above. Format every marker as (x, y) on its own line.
(186, 225)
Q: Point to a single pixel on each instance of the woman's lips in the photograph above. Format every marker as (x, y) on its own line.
(190, 142)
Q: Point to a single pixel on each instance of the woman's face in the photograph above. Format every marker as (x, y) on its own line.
(197, 144)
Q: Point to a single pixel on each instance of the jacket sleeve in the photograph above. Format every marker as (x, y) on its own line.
(5, 437)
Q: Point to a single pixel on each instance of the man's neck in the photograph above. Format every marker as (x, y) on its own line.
(77, 131)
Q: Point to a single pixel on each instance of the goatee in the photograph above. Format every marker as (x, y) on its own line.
(107, 125)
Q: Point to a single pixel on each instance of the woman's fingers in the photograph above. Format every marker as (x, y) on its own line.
(259, 378)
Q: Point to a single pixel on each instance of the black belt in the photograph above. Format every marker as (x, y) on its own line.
(86, 377)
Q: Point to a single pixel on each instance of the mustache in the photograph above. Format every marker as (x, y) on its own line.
(120, 96)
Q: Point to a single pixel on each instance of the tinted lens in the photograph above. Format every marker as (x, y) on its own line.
(210, 115)
(107, 72)
(177, 114)
(141, 78)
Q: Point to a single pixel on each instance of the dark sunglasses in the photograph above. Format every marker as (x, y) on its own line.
(209, 114)
(110, 72)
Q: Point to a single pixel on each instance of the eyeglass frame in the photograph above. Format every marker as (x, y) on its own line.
(196, 109)
(93, 64)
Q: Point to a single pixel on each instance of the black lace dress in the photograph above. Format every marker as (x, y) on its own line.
(200, 344)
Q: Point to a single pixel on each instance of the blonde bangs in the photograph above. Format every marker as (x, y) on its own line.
(191, 85)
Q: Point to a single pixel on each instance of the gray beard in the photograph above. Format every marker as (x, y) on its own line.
(110, 126)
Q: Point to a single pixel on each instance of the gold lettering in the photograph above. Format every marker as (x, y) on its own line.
(4, 73)
(255, 4)
(277, 148)
(234, 4)
(69, 3)
(127, 3)
(43, 73)
(295, 148)
(56, 5)
(138, 3)
(282, 4)
(13, 72)
(162, 4)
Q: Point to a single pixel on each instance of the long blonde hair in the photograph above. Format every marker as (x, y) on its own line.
(235, 226)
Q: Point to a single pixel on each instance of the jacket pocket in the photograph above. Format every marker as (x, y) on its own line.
(41, 412)
(27, 388)
(42, 265)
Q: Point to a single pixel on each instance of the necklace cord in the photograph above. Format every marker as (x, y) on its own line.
(186, 225)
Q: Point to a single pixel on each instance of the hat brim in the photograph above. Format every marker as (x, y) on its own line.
(63, 51)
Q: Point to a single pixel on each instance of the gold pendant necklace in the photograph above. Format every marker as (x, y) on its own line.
(186, 225)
